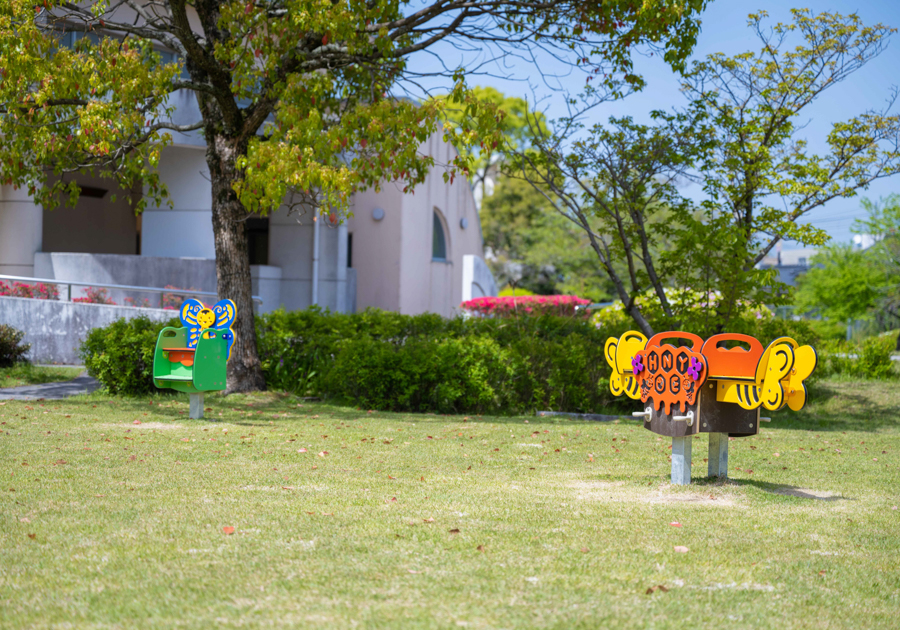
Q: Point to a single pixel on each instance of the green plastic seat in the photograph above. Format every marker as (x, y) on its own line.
(190, 370)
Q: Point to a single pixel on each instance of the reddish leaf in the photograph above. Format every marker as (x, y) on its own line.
(228, 530)
(675, 524)
(430, 519)
(454, 530)
(482, 548)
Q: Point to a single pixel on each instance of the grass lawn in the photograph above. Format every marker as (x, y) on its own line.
(28, 374)
(116, 514)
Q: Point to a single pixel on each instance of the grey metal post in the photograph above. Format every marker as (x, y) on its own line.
(718, 455)
(196, 405)
(681, 460)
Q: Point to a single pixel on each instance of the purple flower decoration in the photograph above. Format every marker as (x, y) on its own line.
(636, 365)
(695, 368)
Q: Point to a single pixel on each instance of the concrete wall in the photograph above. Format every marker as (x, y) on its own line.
(428, 285)
(393, 256)
(185, 229)
(56, 330)
(199, 274)
(478, 281)
(21, 230)
(291, 241)
(377, 246)
(93, 225)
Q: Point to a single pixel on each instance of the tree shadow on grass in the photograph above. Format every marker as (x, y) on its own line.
(792, 491)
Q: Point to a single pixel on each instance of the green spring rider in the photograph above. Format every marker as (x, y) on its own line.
(192, 359)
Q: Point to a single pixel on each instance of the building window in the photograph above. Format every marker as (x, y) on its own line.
(438, 241)
(258, 240)
(350, 250)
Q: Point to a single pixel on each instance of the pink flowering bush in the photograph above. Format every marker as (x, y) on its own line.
(39, 291)
(94, 296)
(527, 305)
(173, 301)
(137, 302)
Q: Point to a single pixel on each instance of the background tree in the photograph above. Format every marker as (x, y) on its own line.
(740, 137)
(529, 246)
(517, 128)
(295, 96)
(883, 224)
(842, 284)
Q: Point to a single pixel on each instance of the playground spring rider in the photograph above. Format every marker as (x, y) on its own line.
(192, 359)
(707, 388)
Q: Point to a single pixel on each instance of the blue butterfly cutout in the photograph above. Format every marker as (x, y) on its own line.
(222, 313)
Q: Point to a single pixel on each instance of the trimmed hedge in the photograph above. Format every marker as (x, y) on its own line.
(121, 355)
(384, 360)
(422, 363)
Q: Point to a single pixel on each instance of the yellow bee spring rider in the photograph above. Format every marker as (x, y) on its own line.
(192, 359)
(717, 386)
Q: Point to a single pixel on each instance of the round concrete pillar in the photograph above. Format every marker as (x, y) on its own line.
(21, 227)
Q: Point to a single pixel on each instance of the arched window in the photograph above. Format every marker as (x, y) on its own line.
(438, 240)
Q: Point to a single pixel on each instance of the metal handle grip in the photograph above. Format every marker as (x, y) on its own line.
(689, 418)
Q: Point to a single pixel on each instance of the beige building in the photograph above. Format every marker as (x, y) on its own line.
(411, 253)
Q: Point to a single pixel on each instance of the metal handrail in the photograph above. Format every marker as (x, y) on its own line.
(593, 307)
(121, 287)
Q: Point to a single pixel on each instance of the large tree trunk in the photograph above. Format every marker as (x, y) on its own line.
(233, 263)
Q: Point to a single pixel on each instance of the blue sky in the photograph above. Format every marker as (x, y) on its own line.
(724, 29)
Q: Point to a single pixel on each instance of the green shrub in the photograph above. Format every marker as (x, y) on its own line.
(12, 350)
(870, 358)
(445, 376)
(120, 355)
(556, 362)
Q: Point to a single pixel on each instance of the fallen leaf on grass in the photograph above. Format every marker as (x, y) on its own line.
(302, 450)
(136, 422)
(422, 478)
(32, 536)
(430, 519)
(323, 453)
(454, 530)
(658, 587)
(481, 548)
(675, 524)
(24, 519)
(411, 571)
(680, 549)
(822, 572)
(584, 550)
(389, 477)
(228, 530)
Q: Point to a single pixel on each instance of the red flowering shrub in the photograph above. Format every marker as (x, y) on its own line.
(39, 291)
(173, 301)
(137, 302)
(527, 305)
(94, 296)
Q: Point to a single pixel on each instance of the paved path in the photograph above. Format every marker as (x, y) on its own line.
(83, 384)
